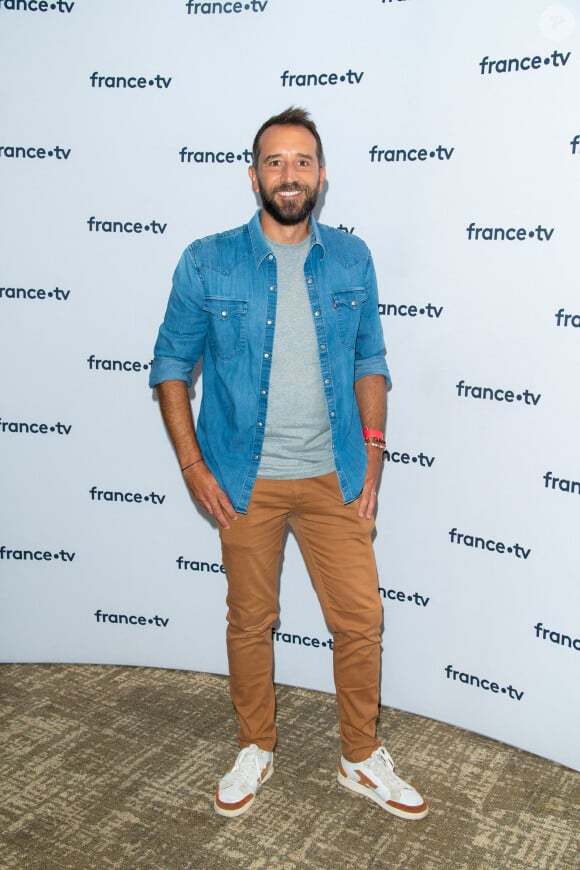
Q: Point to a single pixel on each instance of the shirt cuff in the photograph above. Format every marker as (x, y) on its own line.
(166, 368)
(375, 365)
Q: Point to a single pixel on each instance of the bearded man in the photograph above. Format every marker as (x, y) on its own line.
(284, 312)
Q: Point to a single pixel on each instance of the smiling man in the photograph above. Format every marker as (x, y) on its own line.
(284, 312)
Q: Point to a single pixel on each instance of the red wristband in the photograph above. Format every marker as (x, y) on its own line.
(373, 433)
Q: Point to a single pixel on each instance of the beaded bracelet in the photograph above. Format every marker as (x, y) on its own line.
(376, 442)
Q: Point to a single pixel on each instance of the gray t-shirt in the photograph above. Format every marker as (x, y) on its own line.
(297, 441)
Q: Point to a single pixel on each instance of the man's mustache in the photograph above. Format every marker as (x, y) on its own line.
(286, 188)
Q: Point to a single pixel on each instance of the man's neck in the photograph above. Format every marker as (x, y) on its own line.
(282, 234)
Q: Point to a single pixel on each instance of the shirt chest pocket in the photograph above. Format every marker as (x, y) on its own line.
(347, 305)
(227, 326)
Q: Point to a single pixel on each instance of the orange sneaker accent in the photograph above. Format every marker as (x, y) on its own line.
(236, 806)
(264, 774)
(365, 780)
(403, 808)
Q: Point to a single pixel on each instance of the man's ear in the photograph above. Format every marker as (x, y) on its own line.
(253, 179)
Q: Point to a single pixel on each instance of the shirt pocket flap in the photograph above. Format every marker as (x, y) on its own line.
(225, 307)
(352, 297)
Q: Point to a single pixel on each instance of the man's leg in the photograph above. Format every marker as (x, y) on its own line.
(251, 551)
(337, 548)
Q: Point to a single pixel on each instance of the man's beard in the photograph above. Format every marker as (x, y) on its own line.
(289, 212)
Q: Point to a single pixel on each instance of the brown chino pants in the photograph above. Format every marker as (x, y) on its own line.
(337, 549)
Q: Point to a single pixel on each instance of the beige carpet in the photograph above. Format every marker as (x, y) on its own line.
(114, 767)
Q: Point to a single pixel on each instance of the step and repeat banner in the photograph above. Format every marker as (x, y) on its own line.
(452, 140)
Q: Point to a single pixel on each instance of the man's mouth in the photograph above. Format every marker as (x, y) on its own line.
(288, 194)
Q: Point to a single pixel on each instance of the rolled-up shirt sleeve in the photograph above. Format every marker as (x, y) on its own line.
(370, 344)
(182, 334)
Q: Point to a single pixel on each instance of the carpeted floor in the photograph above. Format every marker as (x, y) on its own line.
(115, 767)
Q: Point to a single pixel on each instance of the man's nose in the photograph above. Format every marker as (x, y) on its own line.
(289, 173)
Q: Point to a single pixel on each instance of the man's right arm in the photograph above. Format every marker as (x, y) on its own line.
(176, 411)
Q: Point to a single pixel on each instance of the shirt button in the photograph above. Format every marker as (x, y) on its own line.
(262, 392)
(269, 322)
(322, 347)
(224, 313)
(326, 380)
(270, 257)
(353, 303)
(309, 281)
(272, 287)
(260, 424)
(332, 413)
(317, 313)
(266, 356)
(256, 457)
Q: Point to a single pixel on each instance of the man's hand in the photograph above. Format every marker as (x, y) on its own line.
(207, 492)
(176, 411)
(368, 496)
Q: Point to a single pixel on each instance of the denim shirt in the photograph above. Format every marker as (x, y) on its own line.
(222, 306)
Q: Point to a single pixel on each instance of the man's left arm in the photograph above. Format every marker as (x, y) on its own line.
(371, 398)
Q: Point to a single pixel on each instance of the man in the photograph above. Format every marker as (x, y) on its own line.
(284, 312)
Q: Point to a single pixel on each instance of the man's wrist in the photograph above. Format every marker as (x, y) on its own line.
(375, 455)
(191, 464)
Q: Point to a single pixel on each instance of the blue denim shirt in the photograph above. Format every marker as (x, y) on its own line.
(222, 306)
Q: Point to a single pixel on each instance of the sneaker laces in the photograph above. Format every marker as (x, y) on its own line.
(247, 767)
(383, 765)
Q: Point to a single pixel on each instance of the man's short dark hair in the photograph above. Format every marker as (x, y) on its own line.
(292, 117)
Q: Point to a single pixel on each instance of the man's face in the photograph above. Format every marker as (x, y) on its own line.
(288, 176)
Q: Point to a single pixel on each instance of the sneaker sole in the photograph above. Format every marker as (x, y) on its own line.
(231, 814)
(395, 809)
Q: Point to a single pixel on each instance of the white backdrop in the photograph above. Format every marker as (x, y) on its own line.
(452, 138)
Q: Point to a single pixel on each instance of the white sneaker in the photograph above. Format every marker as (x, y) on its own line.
(375, 778)
(236, 790)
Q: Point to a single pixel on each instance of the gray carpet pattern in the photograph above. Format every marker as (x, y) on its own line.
(115, 767)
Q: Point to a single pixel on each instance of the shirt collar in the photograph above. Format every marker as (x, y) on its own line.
(261, 246)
